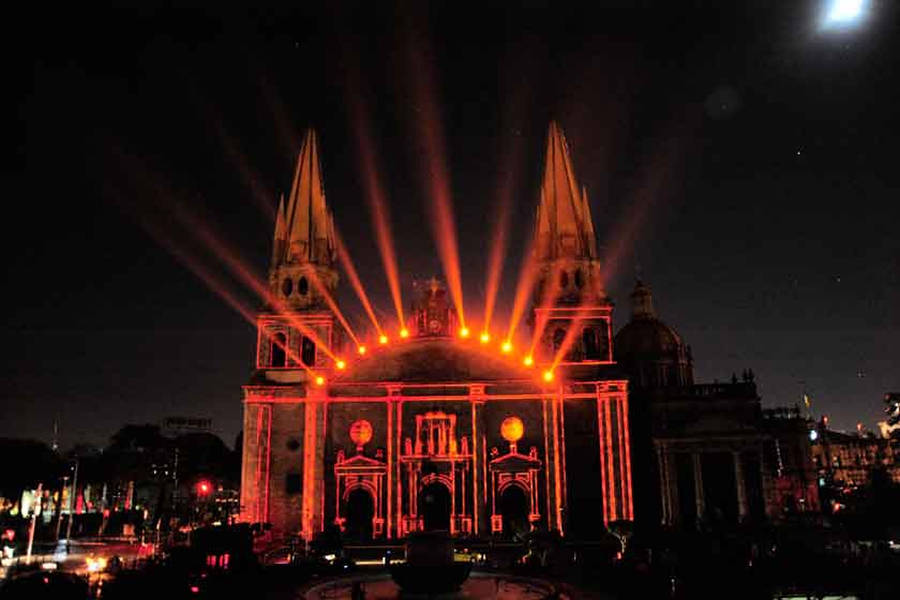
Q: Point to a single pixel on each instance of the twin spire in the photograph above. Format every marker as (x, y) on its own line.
(304, 229)
(564, 227)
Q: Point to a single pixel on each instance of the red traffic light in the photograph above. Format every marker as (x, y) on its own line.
(203, 488)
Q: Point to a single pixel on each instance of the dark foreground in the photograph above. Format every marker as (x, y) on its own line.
(808, 564)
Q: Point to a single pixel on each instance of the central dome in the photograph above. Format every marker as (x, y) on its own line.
(430, 360)
(646, 337)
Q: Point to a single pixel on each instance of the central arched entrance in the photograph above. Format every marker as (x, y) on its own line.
(434, 506)
(360, 512)
(514, 508)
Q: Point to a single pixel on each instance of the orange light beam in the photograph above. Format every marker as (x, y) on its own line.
(243, 272)
(524, 286)
(353, 276)
(333, 306)
(549, 297)
(428, 125)
(495, 258)
(510, 164)
(569, 339)
(213, 282)
(375, 199)
(655, 183)
(146, 220)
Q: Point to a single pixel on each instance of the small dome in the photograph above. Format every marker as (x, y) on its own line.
(647, 337)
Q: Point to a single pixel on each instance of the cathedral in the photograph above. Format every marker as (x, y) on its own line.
(432, 429)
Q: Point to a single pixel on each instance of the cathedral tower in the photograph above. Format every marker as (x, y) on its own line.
(571, 306)
(298, 319)
(282, 474)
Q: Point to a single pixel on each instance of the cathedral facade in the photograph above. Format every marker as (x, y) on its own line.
(434, 429)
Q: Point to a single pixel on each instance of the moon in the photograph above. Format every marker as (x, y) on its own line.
(843, 14)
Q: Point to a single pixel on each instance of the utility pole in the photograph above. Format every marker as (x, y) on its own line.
(72, 505)
(34, 513)
(65, 484)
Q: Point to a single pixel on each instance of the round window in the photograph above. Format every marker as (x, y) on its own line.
(302, 286)
(287, 286)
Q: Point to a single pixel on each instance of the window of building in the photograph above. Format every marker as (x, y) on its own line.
(278, 355)
(579, 279)
(595, 343)
(564, 279)
(302, 286)
(308, 352)
(287, 286)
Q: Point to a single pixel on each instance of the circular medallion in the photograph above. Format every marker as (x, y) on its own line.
(512, 429)
(361, 432)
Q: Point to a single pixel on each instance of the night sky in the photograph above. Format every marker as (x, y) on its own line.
(744, 162)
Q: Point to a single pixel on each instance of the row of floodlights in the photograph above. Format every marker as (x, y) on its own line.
(506, 348)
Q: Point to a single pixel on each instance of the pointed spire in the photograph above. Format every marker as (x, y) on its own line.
(308, 222)
(564, 227)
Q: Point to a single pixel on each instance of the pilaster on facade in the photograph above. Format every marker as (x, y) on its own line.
(740, 487)
(697, 464)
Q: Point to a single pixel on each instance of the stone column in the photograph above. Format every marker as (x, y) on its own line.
(698, 484)
(740, 488)
(480, 523)
(665, 484)
(665, 501)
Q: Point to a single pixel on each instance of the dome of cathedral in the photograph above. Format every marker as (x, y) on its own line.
(646, 337)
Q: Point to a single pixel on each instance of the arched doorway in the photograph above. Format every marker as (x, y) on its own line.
(360, 511)
(514, 508)
(434, 506)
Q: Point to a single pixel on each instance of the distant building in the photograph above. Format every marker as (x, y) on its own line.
(704, 452)
(848, 459)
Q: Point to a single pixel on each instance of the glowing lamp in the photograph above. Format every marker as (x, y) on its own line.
(361, 432)
(203, 488)
(485, 337)
(506, 348)
(404, 333)
(528, 361)
(361, 350)
(320, 380)
(382, 339)
(464, 332)
(512, 429)
(548, 375)
(340, 364)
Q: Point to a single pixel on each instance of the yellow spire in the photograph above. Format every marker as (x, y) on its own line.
(309, 225)
(564, 227)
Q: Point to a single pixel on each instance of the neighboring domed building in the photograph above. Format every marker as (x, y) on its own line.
(648, 349)
(700, 452)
